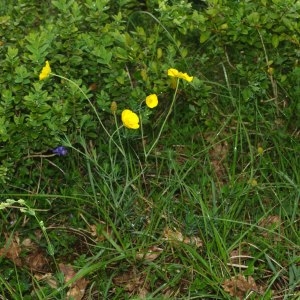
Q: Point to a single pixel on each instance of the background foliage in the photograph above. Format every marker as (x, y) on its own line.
(205, 177)
(120, 53)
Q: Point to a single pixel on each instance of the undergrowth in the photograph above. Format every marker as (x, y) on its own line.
(192, 193)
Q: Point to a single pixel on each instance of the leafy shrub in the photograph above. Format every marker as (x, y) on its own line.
(256, 43)
(87, 42)
(115, 52)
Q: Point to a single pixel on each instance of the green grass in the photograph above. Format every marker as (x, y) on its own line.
(182, 187)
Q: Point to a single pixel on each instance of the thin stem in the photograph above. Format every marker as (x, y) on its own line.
(164, 122)
(86, 97)
(273, 82)
(123, 152)
(91, 104)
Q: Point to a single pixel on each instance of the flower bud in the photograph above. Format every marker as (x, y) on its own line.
(113, 107)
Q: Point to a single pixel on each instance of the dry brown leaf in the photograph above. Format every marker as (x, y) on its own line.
(93, 230)
(131, 281)
(149, 254)
(38, 234)
(272, 223)
(77, 289)
(142, 292)
(68, 271)
(34, 258)
(173, 235)
(37, 261)
(238, 258)
(218, 154)
(176, 236)
(193, 240)
(238, 286)
(28, 244)
(95, 233)
(48, 278)
(12, 249)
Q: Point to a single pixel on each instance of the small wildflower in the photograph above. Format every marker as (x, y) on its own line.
(152, 101)
(260, 150)
(60, 151)
(271, 71)
(177, 74)
(45, 71)
(130, 119)
(113, 107)
(253, 182)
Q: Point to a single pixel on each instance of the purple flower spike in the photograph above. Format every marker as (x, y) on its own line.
(60, 151)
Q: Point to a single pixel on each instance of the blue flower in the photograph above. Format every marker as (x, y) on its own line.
(60, 151)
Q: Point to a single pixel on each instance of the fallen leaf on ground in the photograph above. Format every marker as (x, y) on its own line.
(218, 153)
(77, 288)
(193, 240)
(133, 281)
(173, 235)
(273, 226)
(48, 278)
(68, 271)
(176, 236)
(238, 258)
(97, 231)
(239, 286)
(37, 261)
(12, 249)
(149, 254)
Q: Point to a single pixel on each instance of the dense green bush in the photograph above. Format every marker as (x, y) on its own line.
(116, 52)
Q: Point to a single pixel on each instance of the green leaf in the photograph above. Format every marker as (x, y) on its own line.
(204, 36)
(275, 40)
(264, 2)
(253, 18)
(21, 75)
(103, 55)
(12, 54)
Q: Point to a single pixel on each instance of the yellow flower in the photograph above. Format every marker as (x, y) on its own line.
(45, 71)
(152, 101)
(253, 182)
(176, 73)
(130, 119)
(260, 150)
(271, 71)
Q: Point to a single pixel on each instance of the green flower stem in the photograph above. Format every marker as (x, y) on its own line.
(164, 122)
(86, 97)
(91, 104)
(123, 152)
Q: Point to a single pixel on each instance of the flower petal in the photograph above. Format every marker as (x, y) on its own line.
(152, 100)
(45, 71)
(60, 151)
(130, 119)
(173, 72)
(176, 73)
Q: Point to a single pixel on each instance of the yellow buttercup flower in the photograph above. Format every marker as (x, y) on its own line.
(130, 119)
(152, 101)
(176, 73)
(45, 71)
